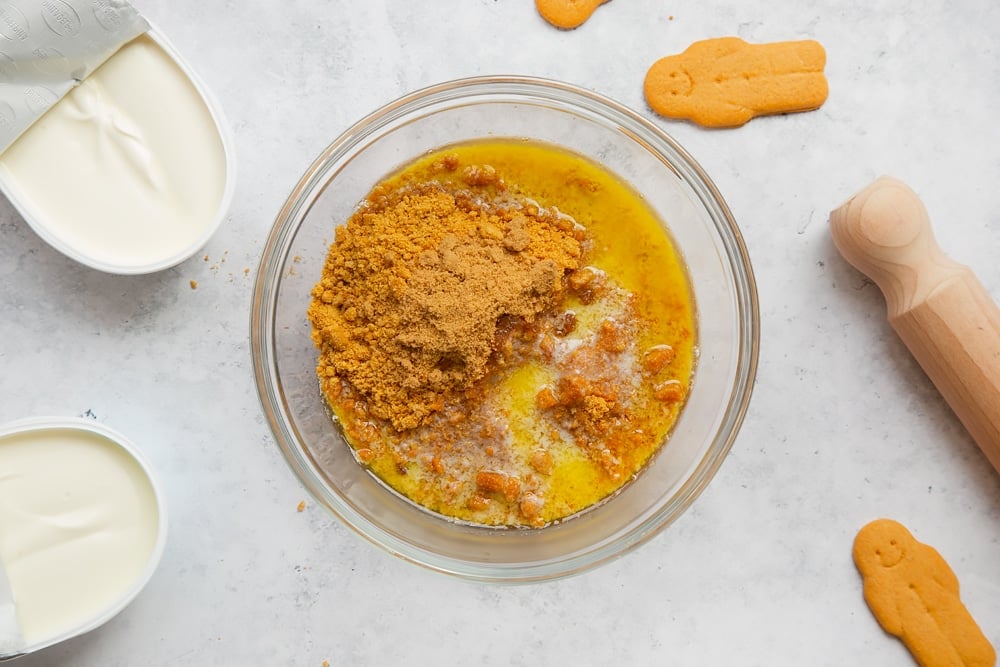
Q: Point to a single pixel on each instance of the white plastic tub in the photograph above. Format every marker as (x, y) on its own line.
(133, 170)
(84, 526)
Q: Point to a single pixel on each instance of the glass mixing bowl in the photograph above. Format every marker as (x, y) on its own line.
(693, 213)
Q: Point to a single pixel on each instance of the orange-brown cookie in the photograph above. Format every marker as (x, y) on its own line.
(724, 82)
(914, 595)
(567, 14)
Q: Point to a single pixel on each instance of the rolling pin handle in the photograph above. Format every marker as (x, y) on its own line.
(940, 310)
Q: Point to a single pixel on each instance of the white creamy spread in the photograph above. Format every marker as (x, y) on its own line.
(79, 525)
(129, 167)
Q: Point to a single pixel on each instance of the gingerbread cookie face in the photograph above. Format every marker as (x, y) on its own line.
(726, 82)
(914, 595)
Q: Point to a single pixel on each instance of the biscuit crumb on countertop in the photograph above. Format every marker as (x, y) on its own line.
(194, 284)
(302, 506)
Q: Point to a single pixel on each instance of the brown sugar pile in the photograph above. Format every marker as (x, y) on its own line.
(406, 313)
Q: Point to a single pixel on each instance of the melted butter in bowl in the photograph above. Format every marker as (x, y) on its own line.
(506, 333)
(131, 172)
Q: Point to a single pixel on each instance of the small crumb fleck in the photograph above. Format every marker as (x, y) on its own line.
(670, 18)
(246, 271)
(302, 506)
(297, 259)
(194, 284)
(326, 663)
(206, 258)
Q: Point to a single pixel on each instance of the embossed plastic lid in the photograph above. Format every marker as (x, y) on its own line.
(50, 47)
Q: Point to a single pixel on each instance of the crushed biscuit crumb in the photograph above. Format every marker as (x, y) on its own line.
(431, 277)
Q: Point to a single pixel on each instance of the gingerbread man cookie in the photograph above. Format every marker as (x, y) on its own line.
(724, 82)
(567, 14)
(914, 595)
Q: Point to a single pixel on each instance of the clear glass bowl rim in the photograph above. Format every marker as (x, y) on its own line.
(633, 125)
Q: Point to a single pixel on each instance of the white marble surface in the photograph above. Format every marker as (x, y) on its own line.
(843, 426)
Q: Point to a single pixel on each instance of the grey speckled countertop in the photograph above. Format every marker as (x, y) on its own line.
(843, 427)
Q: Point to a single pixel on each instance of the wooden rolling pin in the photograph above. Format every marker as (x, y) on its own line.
(937, 306)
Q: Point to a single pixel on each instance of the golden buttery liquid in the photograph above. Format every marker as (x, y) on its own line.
(629, 244)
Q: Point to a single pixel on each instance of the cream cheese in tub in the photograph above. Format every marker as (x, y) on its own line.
(132, 170)
(82, 527)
